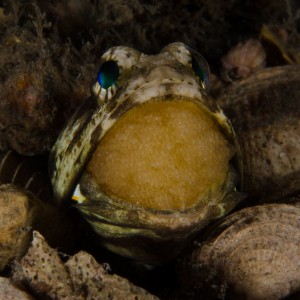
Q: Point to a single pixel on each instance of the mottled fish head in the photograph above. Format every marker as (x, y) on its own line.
(149, 156)
(128, 77)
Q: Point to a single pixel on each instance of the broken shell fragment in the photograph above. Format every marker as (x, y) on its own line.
(255, 252)
(282, 48)
(9, 291)
(81, 277)
(242, 60)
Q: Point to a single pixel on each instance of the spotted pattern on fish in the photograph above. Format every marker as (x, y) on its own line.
(141, 78)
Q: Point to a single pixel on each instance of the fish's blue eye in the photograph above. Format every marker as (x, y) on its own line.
(201, 68)
(108, 74)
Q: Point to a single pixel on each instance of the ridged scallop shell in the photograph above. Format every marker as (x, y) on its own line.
(265, 112)
(26, 172)
(255, 252)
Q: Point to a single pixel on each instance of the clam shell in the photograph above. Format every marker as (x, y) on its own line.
(255, 251)
(265, 112)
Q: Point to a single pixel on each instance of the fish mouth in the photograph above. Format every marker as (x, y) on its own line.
(158, 90)
(167, 153)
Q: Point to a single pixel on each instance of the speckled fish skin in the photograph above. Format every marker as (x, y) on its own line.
(166, 76)
(145, 77)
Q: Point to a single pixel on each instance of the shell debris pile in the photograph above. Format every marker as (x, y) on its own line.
(48, 54)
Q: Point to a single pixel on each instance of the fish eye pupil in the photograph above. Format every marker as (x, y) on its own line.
(201, 70)
(197, 69)
(108, 74)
